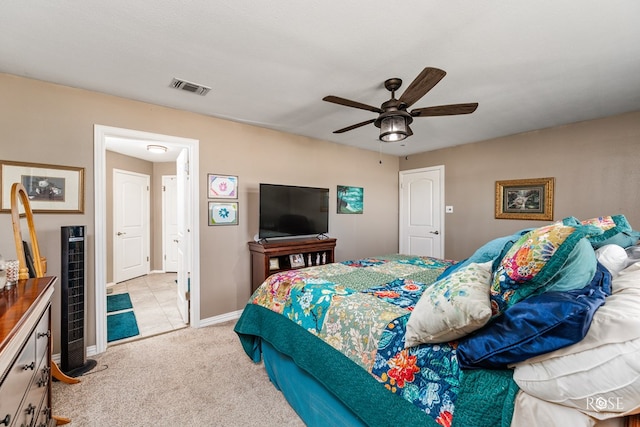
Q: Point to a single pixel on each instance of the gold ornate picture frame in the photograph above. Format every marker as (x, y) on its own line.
(525, 199)
(51, 188)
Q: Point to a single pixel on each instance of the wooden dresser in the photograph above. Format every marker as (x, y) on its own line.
(25, 353)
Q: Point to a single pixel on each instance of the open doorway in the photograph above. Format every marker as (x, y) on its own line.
(140, 140)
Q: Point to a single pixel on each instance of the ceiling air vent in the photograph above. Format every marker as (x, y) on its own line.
(190, 87)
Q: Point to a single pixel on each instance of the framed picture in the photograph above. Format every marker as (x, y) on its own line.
(350, 200)
(223, 213)
(274, 264)
(525, 199)
(51, 188)
(296, 260)
(222, 186)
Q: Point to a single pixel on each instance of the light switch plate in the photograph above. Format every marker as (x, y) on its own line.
(448, 209)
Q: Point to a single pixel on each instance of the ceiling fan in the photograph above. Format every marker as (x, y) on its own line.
(394, 119)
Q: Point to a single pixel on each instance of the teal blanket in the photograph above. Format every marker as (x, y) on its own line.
(344, 324)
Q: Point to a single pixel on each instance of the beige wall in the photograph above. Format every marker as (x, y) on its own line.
(595, 165)
(53, 124)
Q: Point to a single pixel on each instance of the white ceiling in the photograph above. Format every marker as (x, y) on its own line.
(529, 64)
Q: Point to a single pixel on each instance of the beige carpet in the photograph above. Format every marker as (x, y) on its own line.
(190, 377)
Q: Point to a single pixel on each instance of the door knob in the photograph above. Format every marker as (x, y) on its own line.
(119, 233)
(434, 232)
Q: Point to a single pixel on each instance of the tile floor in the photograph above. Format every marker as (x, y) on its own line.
(154, 303)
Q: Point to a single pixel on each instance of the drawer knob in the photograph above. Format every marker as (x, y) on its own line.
(6, 420)
(31, 366)
(44, 334)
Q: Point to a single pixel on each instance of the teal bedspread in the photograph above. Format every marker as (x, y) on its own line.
(344, 323)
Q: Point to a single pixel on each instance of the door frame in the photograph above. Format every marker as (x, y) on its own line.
(100, 135)
(402, 173)
(165, 232)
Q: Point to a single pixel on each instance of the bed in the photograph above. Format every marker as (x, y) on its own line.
(541, 327)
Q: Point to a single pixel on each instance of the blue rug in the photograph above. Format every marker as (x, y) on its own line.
(118, 302)
(121, 325)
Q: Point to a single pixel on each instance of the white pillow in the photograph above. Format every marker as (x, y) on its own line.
(613, 257)
(602, 380)
(452, 307)
(618, 320)
(599, 375)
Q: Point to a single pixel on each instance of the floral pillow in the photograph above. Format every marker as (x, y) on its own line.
(451, 307)
(614, 230)
(554, 257)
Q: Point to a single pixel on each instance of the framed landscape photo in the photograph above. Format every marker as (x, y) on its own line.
(350, 199)
(525, 199)
(51, 188)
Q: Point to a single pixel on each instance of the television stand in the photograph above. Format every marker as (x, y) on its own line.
(268, 258)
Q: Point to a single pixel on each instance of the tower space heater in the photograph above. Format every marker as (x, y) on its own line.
(73, 360)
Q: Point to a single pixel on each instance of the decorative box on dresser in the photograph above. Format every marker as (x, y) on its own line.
(25, 353)
(268, 258)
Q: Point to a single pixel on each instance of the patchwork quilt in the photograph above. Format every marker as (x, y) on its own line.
(360, 308)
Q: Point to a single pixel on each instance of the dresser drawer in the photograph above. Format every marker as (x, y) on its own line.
(44, 415)
(18, 378)
(42, 334)
(33, 399)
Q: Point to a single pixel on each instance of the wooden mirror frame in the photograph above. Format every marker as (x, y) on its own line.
(19, 196)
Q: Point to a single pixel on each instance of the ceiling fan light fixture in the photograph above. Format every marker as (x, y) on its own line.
(393, 118)
(159, 149)
(393, 128)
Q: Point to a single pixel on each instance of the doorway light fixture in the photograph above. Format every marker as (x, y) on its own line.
(159, 149)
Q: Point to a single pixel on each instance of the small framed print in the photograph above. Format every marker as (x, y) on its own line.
(350, 199)
(296, 260)
(274, 264)
(223, 213)
(222, 186)
(525, 199)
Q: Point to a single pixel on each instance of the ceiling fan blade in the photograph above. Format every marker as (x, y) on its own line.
(445, 110)
(357, 125)
(426, 80)
(349, 103)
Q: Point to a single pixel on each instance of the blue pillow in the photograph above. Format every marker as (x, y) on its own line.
(535, 325)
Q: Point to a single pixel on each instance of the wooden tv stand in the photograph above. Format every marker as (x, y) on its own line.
(271, 257)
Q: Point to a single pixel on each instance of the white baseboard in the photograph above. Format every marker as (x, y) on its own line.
(220, 319)
(91, 350)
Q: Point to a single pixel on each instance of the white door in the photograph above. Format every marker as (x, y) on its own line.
(421, 212)
(183, 204)
(130, 225)
(169, 223)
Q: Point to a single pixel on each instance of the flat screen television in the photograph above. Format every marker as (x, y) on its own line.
(293, 211)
